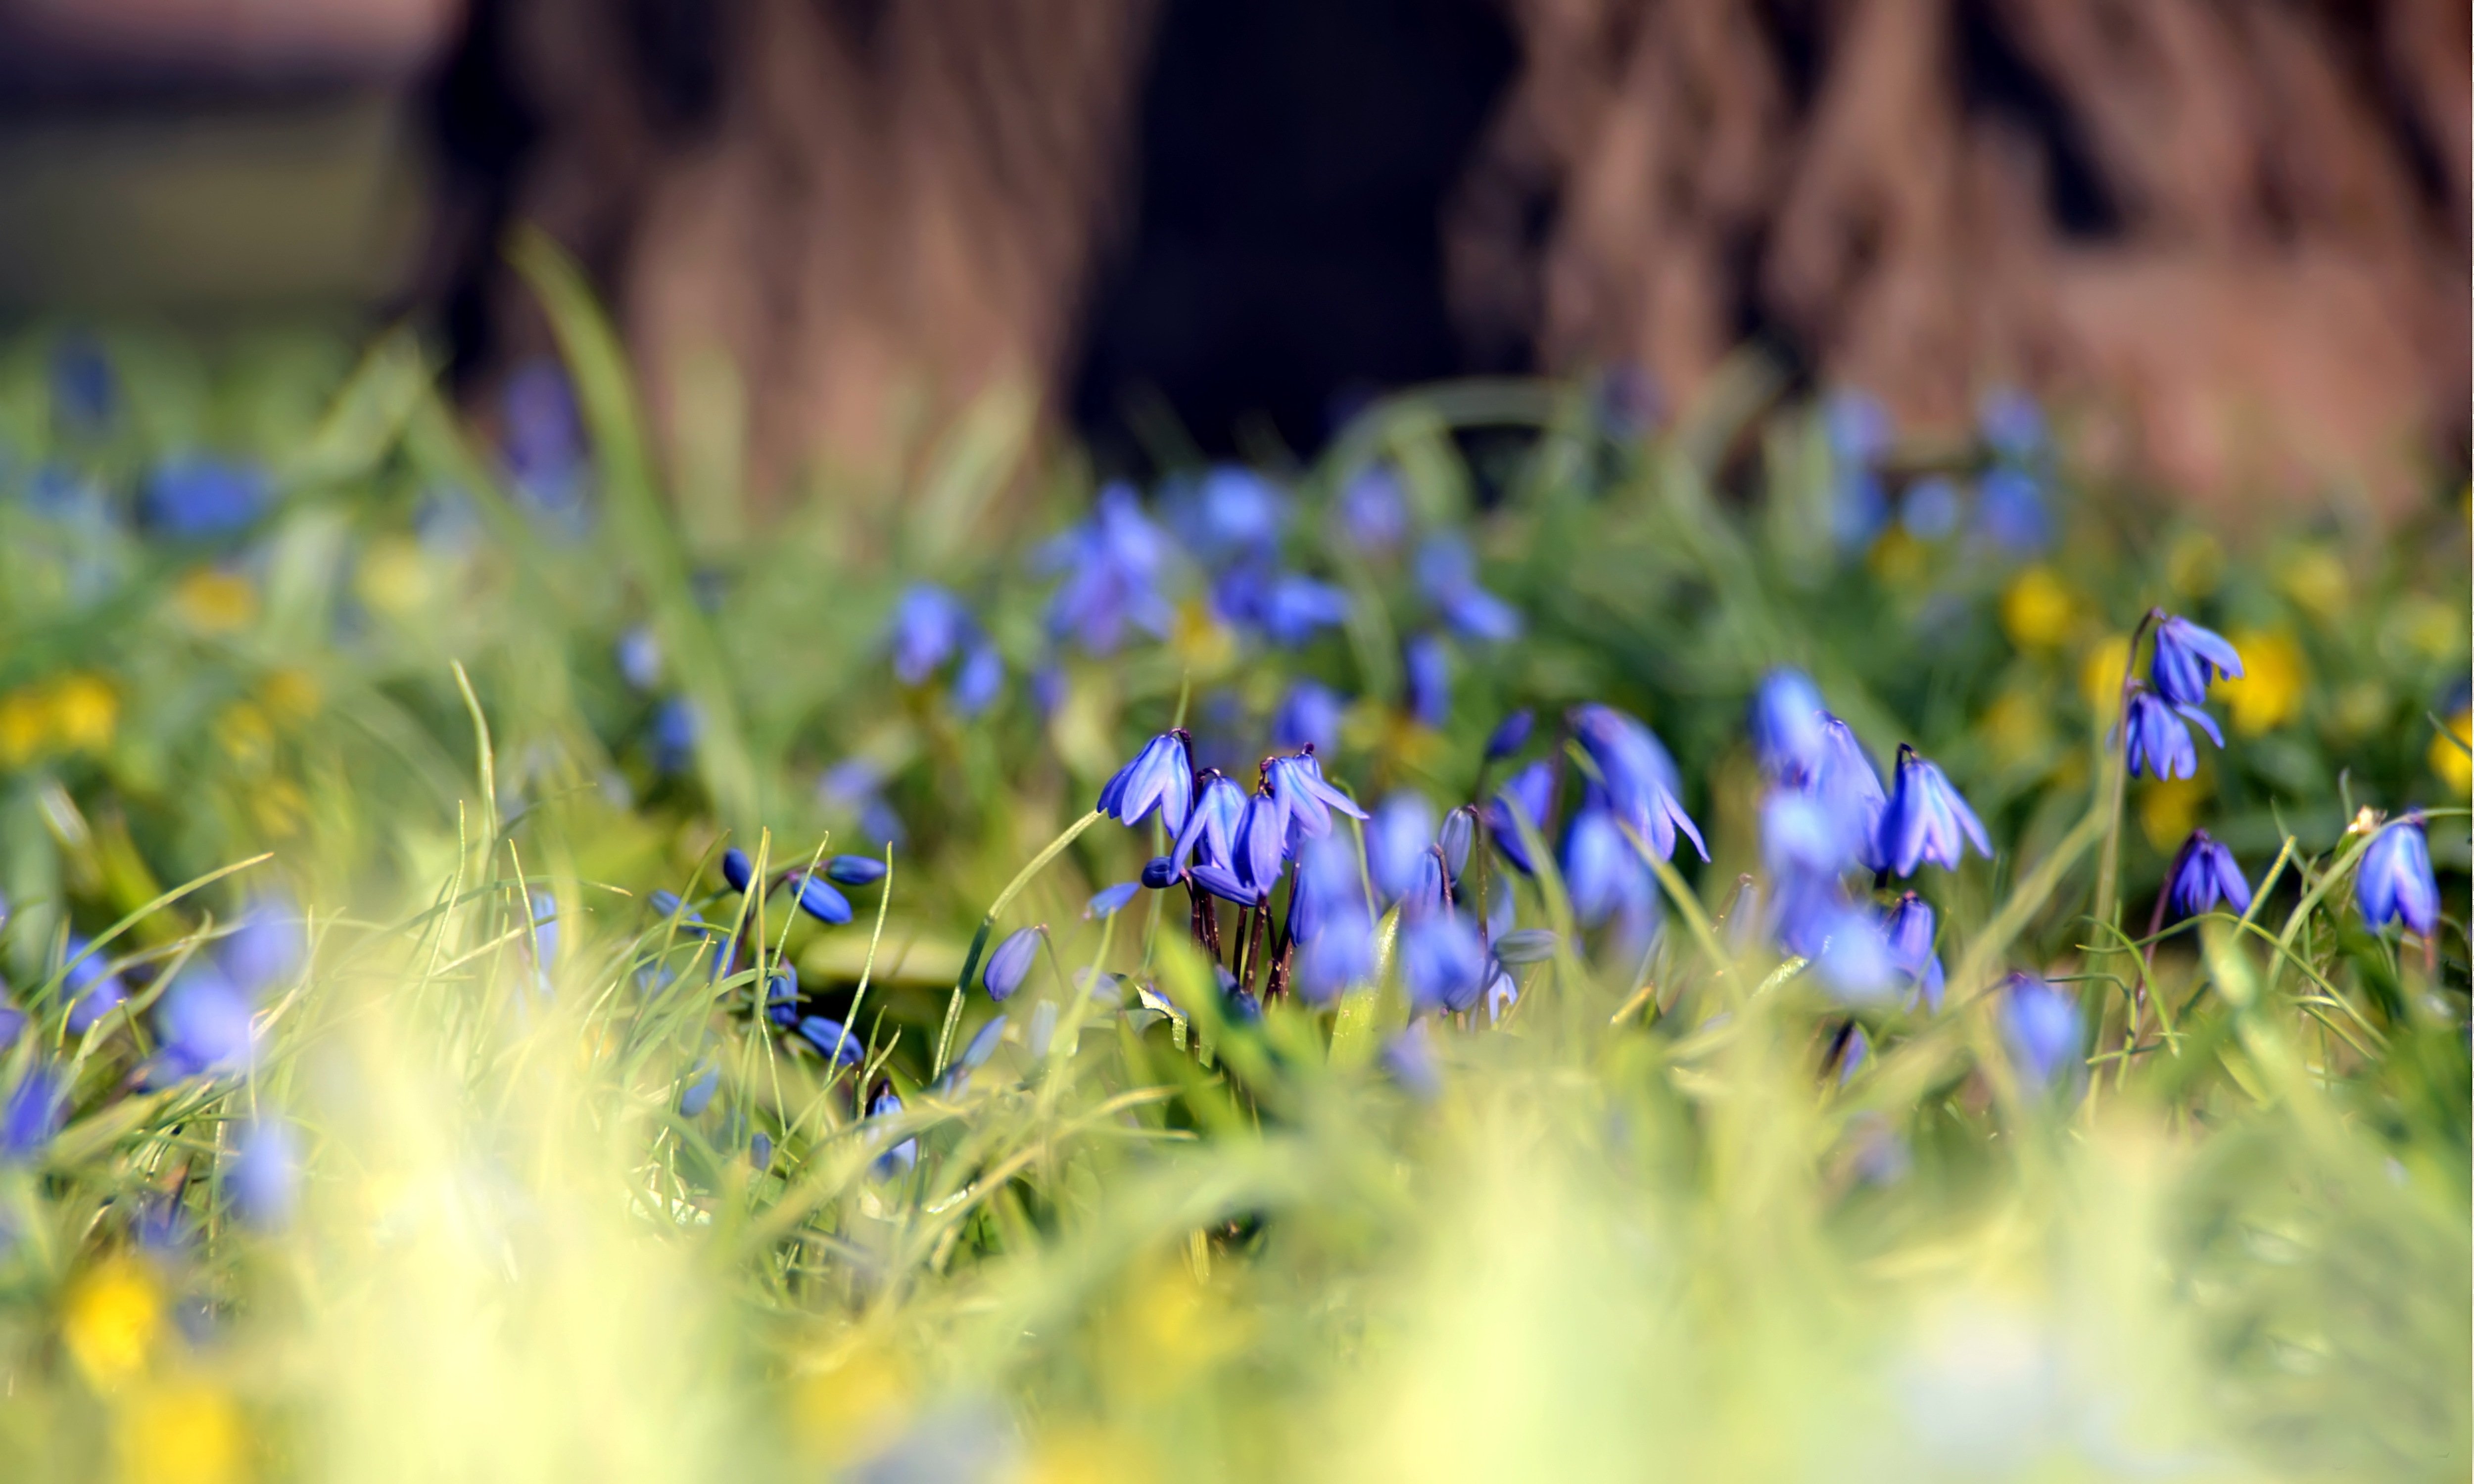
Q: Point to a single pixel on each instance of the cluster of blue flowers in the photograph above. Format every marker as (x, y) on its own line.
(2011, 508)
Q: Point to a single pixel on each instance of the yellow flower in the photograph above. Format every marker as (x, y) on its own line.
(111, 1320)
(2449, 759)
(2315, 578)
(246, 738)
(394, 578)
(2101, 674)
(2194, 563)
(2169, 807)
(212, 601)
(854, 1406)
(1088, 1455)
(2037, 610)
(1898, 559)
(292, 695)
(25, 723)
(85, 711)
(186, 1433)
(2268, 692)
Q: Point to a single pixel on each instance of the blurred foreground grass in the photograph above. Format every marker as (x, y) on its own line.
(504, 1179)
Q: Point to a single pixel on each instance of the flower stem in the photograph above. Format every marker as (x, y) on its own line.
(979, 939)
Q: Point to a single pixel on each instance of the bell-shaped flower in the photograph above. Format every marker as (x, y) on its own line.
(737, 869)
(928, 627)
(1262, 843)
(1926, 819)
(1160, 777)
(2186, 657)
(1909, 929)
(263, 1177)
(1306, 801)
(898, 1159)
(1009, 964)
(1787, 723)
(1640, 781)
(818, 899)
(978, 681)
(1532, 792)
(204, 1022)
(2394, 883)
(833, 1039)
(33, 1113)
(1309, 717)
(854, 869)
(1447, 573)
(2202, 874)
(1109, 900)
(92, 994)
(1428, 662)
(1601, 870)
(1397, 837)
(2041, 1026)
(1443, 963)
(698, 1095)
(1210, 832)
(1511, 735)
(2160, 743)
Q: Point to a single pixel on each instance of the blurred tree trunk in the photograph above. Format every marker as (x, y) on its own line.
(842, 221)
(2232, 234)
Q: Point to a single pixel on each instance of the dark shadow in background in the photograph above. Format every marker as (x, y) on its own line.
(1283, 256)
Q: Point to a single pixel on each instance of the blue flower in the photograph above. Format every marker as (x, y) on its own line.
(192, 498)
(2041, 1025)
(1787, 726)
(1262, 843)
(544, 915)
(205, 1020)
(975, 1056)
(92, 994)
(639, 658)
(928, 625)
(1853, 957)
(2202, 874)
(699, 1094)
(1112, 566)
(1926, 819)
(1009, 964)
(831, 1038)
(1159, 874)
(1109, 900)
(1602, 871)
(1397, 837)
(34, 1112)
(2394, 883)
(1447, 573)
(1211, 824)
(2011, 423)
(854, 869)
(760, 1150)
(2185, 658)
(1334, 931)
(1456, 838)
(737, 869)
(2010, 510)
(543, 435)
(1799, 837)
(1511, 735)
(264, 1175)
(1532, 790)
(672, 736)
(1233, 513)
(1639, 779)
(1305, 799)
(853, 786)
(1409, 1059)
(2159, 742)
(902, 1157)
(978, 681)
(1850, 790)
(1375, 509)
(1428, 661)
(1930, 511)
(1309, 717)
(266, 946)
(1909, 931)
(1442, 962)
(818, 899)
(1291, 608)
(1160, 777)
(1857, 426)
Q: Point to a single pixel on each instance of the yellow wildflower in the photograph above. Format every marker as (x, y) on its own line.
(854, 1406)
(2169, 808)
(2037, 610)
(1898, 559)
(212, 601)
(2316, 577)
(292, 695)
(85, 711)
(2268, 692)
(394, 577)
(2449, 759)
(2101, 674)
(186, 1433)
(111, 1320)
(25, 723)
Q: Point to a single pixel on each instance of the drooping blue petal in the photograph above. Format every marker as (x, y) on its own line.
(92, 994)
(2394, 883)
(33, 1114)
(1309, 717)
(2041, 1026)
(2158, 740)
(818, 899)
(1161, 777)
(2185, 658)
(854, 869)
(1532, 792)
(1210, 832)
(737, 869)
(1009, 964)
(1396, 838)
(928, 627)
(1428, 661)
(1909, 931)
(978, 681)
(1511, 735)
(1926, 819)
(833, 1039)
(2202, 874)
(264, 1175)
(1306, 801)
(1109, 900)
(1787, 723)
(1442, 962)
(699, 1094)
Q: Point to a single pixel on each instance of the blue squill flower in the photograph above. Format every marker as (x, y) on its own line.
(1309, 716)
(266, 946)
(639, 658)
(818, 899)
(1160, 777)
(978, 681)
(2394, 883)
(1233, 513)
(833, 1039)
(92, 994)
(1639, 779)
(1159, 874)
(854, 869)
(1009, 964)
(1211, 824)
(2202, 874)
(1292, 606)
(264, 1175)
(1456, 838)
(1602, 871)
(2159, 742)
(1926, 819)
(1929, 511)
(1306, 801)
(760, 1150)
(33, 1113)
(854, 786)
(2012, 424)
(1447, 574)
(1502, 992)
(2010, 510)
(2185, 658)
(1532, 790)
(1799, 837)
(1850, 790)
(1787, 723)
(1858, 429)
(1442, 962)
(983, 1045)
(205, 1020)
(1909, 931)
(1409, 1059)
(193, 497)
(1228, 883)
(1857, 426)
(1375, 509)
(782, 993)
(1511, 735)
(737, 869)
(544, 915)
(700, 1091)
(543, 435)
(1853, 957)
(928, 625)
(1113, 565)
(1428, 661)
(1261, 845)
(1109, 900)
(1851, 1058)
(1397, 837)
(1334, 931)
(672, 735)
(2041, 1026)
(898, 1159)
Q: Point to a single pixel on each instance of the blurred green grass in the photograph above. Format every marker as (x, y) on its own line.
(1623, 1237)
